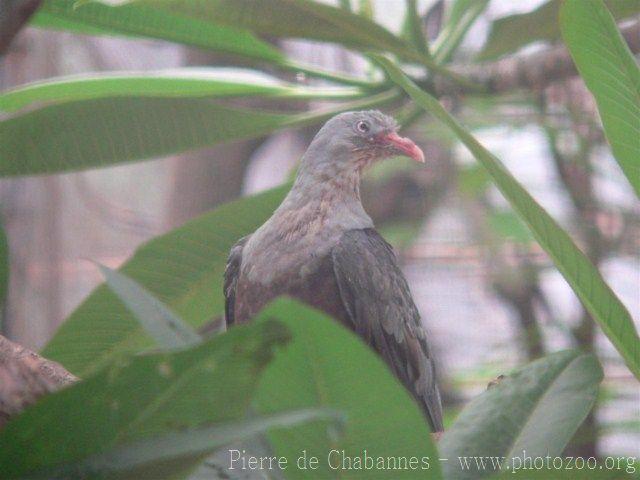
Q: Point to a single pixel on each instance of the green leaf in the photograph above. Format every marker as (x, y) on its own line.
(509, 226)
(473, 180)
(533, 412)
(401, 234)
(509, 34)
(101, 132)
(327, 366)
(175, 83)
(147, 21)
(460, 18)
(182, 268)
(141, 397)
(166, 328)
(288, 18)
(605, 307)
(291, 19)
(150, 456)
(611, 73)
(412, 28)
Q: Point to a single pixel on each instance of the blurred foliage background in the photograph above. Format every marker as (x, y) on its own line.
(210, 102)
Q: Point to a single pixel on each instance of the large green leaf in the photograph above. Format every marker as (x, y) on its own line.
(292, 19)
(327, 366)
(146, 21)
(159, 457)
(513, 32)
(140, 397)
(100, 132)
(611, 73)
(216, 23)
(183, 269)
(533, 412)
(167, 329)
(509, 226)
(95, 18)
(584, 278)
(287, 18)
(175, 83)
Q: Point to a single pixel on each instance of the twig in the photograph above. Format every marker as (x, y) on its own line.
(530, 71)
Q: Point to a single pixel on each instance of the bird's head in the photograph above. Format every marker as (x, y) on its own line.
(351, 141)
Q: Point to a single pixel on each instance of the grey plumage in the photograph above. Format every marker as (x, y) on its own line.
(320, 247)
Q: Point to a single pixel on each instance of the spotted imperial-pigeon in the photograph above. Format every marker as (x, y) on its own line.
(320, 247)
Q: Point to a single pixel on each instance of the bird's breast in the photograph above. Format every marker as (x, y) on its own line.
(312, 282)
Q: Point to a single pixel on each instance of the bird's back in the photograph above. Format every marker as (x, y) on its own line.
(354, 279)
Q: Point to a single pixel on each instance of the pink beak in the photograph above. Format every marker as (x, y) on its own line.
(404, 146)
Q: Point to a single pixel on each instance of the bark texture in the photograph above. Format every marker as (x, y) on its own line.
(25, 377)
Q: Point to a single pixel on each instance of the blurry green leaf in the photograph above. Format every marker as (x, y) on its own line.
(296, 19)
(412, 28)
(461, 16)
(473, 180)
(288, 18)
(365, 9)
(105, 131)
(175, 83)
(381, 172)
(102, 132)
(401, 234)
(147, 21)
(150, 456)
(509, 34)
(167, 329)
(611, 73)
(607, 310)
(141, 397)
(182, 268)
(509, 226)
(533, 412)
(327, 366)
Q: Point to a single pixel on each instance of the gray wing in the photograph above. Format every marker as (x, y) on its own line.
(378, 302)
(231, 273)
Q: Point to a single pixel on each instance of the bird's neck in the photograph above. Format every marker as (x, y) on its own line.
(329, 198)
(306, 226)
(327, 185)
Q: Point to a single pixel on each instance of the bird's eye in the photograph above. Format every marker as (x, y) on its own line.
(363, 127)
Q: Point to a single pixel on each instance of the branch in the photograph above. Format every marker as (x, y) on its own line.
(14, 14)
(24, 377)
(531, 71)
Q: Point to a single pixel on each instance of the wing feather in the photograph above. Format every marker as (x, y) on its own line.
(231, 273)
(379, 304)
